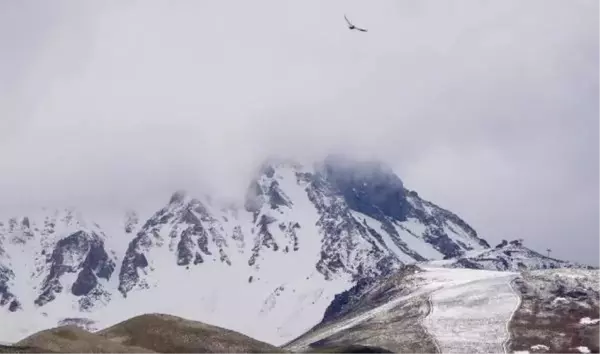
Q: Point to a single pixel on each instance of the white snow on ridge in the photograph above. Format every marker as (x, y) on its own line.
(461, 237)
(408, 231)
(471, 316)
(387, 240)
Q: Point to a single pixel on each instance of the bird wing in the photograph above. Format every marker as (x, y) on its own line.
(361, 29)
(349, 23)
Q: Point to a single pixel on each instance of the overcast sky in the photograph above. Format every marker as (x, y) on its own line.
(487, 108)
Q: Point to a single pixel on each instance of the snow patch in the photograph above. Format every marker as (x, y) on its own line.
(588, 321)
(540, 347)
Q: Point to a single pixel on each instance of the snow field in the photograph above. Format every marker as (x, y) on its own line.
(470, 312)
(588, 321)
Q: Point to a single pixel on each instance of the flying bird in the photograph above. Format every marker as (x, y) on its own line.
(353, 27)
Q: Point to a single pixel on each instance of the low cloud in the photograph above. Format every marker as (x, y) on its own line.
(488, 108)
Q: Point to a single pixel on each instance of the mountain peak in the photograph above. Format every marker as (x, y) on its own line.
(369, 187)
(360, 168)
(306, 233)
(178, 197)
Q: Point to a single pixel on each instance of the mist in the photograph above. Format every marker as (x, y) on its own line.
(487, 108)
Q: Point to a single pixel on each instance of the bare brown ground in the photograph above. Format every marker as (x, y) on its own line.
(171, 334)
(545, 319)
(21, 349)
(72, 339)
(142, 334)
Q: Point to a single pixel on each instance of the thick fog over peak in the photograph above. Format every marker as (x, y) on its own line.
(487, 108)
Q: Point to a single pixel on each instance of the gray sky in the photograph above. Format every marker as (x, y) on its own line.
(487, 108)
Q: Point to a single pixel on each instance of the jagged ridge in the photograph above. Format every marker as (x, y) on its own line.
(303, 234)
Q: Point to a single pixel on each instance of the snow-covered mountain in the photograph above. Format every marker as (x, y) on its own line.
(50, 250)
(303, 235)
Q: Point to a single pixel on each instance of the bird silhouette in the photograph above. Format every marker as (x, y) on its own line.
(352, 26)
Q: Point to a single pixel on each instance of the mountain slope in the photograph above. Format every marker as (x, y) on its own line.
(303, 234)
(437, 309)
(409, 312)
(370, 314)
(506, 256)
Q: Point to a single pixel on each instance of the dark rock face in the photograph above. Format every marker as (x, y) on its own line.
(516, 243)
(277, 197)
(97, 260)
(132, 261)
(264, 238)
(184, 249)
(86, 282)
(443, 244)
(6, 296)
(343, 302)
(14, 306)
(502, 244)
(81, 253)
(369, 187)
